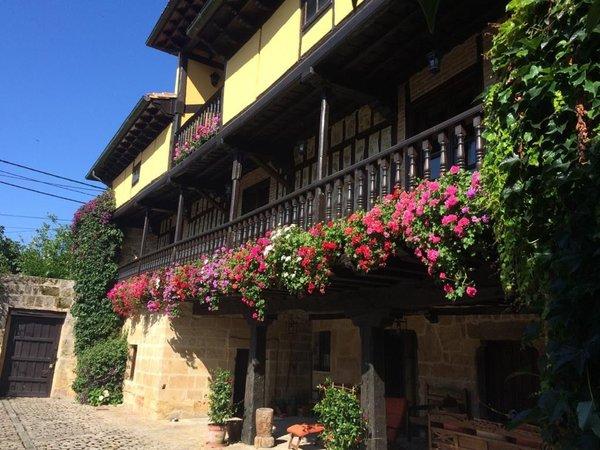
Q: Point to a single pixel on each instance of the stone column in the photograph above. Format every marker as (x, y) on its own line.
(255, 379)
(372, 393)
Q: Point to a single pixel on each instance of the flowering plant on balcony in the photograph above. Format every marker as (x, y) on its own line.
(246, 271)
(442, 222)
(203, 132)
(127, 297)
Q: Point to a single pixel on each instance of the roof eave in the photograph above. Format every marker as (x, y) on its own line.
(137, 110)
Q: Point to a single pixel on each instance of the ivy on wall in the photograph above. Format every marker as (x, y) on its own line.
(542, 172)
(96, 244)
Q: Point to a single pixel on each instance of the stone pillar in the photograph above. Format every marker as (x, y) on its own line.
(372, 393)
(255, 379)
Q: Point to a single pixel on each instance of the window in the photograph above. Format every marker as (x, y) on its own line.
(255, 196)
(135, 175)
(322, 351)
(311, 9)
(131, 357)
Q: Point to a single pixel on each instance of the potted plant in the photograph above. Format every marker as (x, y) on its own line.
(339, 412)
(220, 407)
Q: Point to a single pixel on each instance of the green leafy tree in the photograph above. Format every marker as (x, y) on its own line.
(48, 254)
(9, 253)
(542, 172)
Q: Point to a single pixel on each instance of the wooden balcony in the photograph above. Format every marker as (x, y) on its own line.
(208, 114)
(425, 155)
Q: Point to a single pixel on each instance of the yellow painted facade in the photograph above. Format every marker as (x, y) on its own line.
(273, 50)
(241, 78)
(341, 9)
(267, 56)
(198, 88)
(155, 162)
(279, 44)
(317, 30)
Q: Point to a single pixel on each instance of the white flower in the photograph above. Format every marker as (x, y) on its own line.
(105, 392)
(100, 398)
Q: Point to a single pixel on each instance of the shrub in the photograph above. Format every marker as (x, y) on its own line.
(339, 412)
(100, 371)
(220, 407)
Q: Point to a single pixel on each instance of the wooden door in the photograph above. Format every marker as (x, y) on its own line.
(510, 378)
(30, 355)
(239, 380)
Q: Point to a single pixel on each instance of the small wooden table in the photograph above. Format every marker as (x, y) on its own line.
(301, 430)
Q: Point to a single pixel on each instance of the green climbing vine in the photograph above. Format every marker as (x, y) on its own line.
(543, 175)
(101, 351)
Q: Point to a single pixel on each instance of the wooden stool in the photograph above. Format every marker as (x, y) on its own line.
(301, 430)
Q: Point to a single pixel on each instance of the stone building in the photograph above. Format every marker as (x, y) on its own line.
(299, 112)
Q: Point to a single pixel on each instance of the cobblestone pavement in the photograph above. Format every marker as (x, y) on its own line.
(43, 423)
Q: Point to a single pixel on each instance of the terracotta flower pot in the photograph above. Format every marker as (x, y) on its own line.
(216, 435)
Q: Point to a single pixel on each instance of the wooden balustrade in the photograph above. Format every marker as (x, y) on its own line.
(357, 187)
(208, 112)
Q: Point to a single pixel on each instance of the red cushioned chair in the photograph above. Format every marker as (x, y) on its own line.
(395, 410)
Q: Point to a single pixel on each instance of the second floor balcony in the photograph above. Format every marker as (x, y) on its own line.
(337, 194)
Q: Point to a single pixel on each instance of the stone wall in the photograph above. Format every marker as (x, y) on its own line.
(345, 352)
(174, 360)
(44, 294)
(289, 359)
(447, 350)
(175, 356)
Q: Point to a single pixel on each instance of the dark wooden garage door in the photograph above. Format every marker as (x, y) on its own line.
(31, 353)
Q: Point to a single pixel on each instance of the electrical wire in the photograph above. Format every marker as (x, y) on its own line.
(50, 174)
(32, 217)
(41, 192)
(14, 174)
(33, 180)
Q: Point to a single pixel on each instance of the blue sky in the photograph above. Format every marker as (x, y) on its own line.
(71, 71)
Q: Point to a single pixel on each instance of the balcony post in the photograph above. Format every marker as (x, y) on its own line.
(321, 155)
(145, 231)
(179, 218)
(478, 141)
(459, 131)
(236, 174)
(443, 141)
(179, 103)
(255, 379)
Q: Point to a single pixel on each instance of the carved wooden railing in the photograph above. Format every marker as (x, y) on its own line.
(357, 187)
(204, 116)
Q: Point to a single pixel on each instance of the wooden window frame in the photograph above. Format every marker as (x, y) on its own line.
(321, 7)
(135, 173)
(319, 364)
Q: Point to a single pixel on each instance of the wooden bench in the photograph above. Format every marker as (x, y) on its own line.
(453, 432)
(439, 399)
(300, 430)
